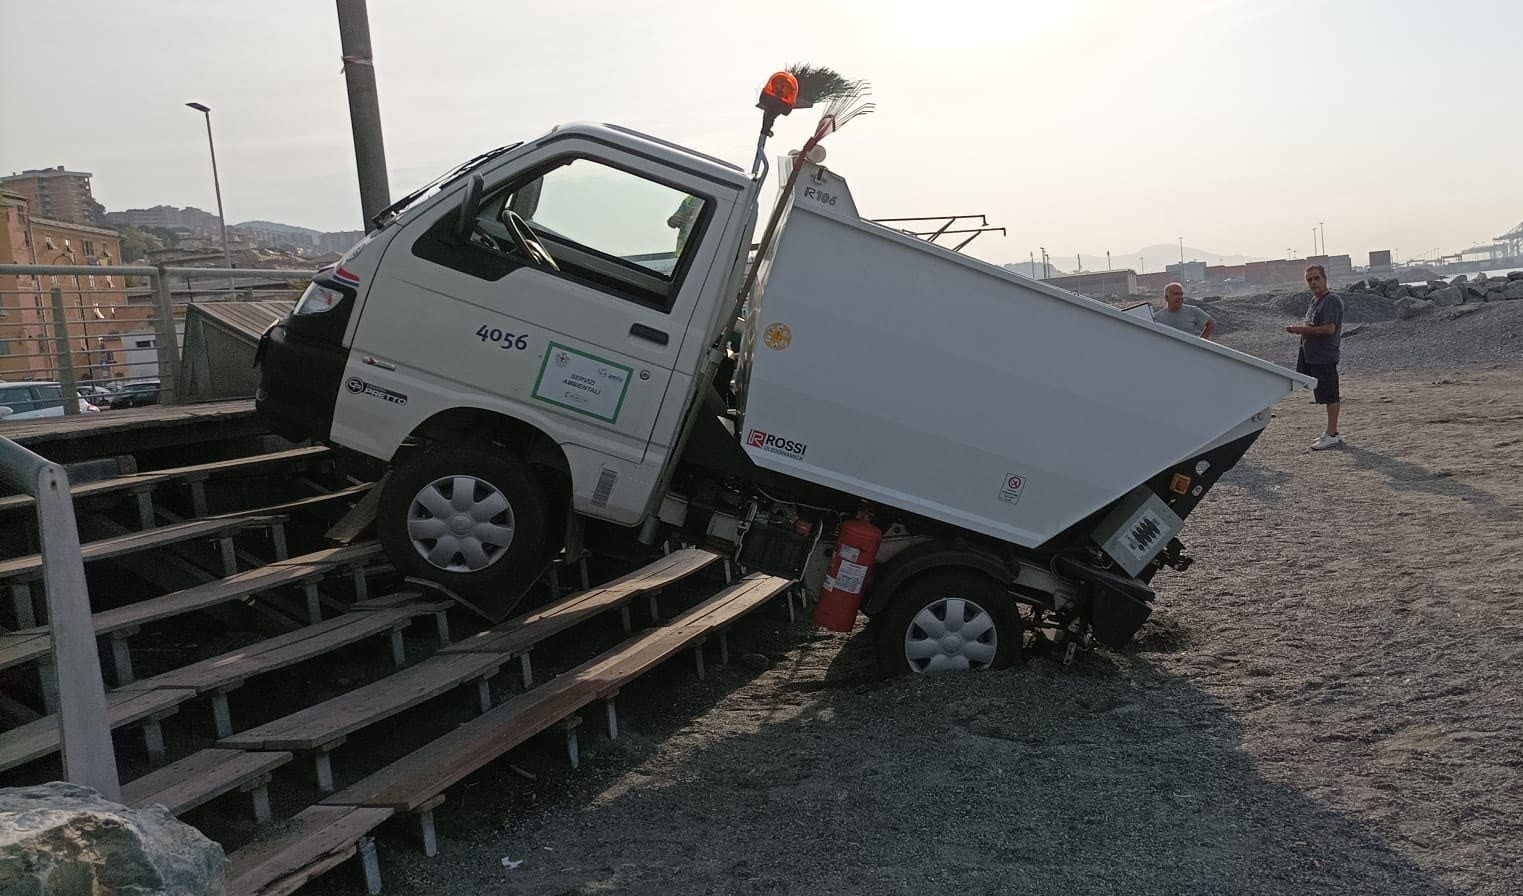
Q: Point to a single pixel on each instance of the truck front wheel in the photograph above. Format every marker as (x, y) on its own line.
(953, 619)
(471, 519)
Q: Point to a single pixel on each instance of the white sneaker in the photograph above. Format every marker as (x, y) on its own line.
(1326, 441)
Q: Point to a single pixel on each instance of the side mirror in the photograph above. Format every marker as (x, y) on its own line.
(6, 411)
(470, 206)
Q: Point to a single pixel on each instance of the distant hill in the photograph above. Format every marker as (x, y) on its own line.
(278, 227)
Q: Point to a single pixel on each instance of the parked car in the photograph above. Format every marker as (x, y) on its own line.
(28, 401)
(135, 395)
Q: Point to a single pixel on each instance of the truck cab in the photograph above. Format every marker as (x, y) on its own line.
(542, 318)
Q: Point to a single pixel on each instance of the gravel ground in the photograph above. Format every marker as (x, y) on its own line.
(1330, 701)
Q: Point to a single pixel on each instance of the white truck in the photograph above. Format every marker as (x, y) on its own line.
(547, 331)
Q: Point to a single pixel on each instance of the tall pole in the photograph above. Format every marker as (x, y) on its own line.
(364, 108)
(1314, 241)
(227, 255)
(1322, 227)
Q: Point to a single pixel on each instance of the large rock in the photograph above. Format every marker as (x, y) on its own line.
(1421, 290)
(1515, 275)
(1449, 295)
(61, 839)
(1411, 307)
(1456, 281)
(1475, 292)
(1397, 292)
(1514, 290)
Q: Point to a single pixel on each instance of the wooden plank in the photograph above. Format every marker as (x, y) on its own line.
(156, 477)
(735, 601)
(327, 721)
(315, 840)
(198, 597)
(152, 538)
(199, 778)
(611, 671)
(342, 494)
(30, 432)
(19, 648)
(425, 773)
(40, 738)
(518, 635)
(279, 652)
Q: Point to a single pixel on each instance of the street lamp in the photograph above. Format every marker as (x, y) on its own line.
(227, 255)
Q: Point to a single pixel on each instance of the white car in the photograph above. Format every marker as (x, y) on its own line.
(25, 401)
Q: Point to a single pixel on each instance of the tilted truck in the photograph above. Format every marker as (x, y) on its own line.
(545, 334)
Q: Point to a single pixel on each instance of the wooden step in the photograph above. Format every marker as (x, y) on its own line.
(202, 777)
(518, 635)
(332, 720)
(30, 566)
(34, 643)
(413, 781)
(220, 675)
(315, 841)
(281, 651)
(157, 477)
(611, 671)
(40, 738)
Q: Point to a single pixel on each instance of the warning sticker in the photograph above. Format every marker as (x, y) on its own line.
(849, 577)
(1010, 490)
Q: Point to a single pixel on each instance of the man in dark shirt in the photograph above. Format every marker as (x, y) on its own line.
(1321, 332)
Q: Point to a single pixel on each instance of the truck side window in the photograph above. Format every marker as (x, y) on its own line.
(609, 228)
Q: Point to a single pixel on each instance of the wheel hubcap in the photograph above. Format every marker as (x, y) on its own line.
(951, 633)
(460, 523)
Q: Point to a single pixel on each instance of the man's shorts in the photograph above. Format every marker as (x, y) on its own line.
(1327, 379)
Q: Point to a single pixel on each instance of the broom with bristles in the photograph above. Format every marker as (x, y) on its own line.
(843, 101)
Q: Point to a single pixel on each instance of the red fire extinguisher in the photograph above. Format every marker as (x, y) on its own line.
(841, 595)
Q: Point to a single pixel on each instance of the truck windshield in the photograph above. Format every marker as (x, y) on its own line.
(392, 212)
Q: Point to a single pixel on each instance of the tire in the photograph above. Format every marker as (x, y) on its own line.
(913, 634)
(488, 541)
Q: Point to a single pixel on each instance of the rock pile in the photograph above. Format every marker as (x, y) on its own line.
(1414, 299)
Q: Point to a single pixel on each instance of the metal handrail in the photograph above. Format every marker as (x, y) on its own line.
(84, 730)
(146, 271)
(168, 287)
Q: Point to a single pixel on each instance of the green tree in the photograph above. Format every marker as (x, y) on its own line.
(136, 244)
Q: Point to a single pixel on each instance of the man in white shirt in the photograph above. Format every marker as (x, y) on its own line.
(1186, 318)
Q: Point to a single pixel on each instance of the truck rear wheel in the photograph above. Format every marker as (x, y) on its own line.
(943, 620)
(469, 518)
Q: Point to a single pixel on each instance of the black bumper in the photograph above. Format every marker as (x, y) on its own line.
(298, 383)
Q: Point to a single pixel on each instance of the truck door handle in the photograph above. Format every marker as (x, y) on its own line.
(654, 335)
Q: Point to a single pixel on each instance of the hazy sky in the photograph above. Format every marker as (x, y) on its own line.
(1093, 126)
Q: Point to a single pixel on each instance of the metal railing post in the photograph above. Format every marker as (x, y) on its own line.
(65, 360)
(85, 732)
(168, 339)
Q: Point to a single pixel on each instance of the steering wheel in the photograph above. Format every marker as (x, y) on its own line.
(527, 242)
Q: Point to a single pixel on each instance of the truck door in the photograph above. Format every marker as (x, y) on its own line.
(583, 349)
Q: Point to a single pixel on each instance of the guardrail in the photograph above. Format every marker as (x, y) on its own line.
(85, 732)
(90, 328)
